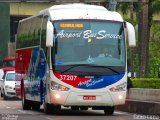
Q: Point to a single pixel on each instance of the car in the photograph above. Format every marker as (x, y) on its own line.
(7, 88)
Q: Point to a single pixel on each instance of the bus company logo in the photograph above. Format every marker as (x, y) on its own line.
(90, 82)
(83, 83)
(101, 34)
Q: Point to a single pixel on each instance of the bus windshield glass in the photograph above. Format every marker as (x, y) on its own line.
(95, 42)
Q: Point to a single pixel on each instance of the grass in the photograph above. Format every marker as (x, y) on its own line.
(150, 83)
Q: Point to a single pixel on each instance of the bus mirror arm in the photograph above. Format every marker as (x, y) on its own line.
(49, 34)
(131, 34)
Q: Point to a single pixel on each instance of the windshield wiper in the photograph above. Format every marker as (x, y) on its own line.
(90, 65)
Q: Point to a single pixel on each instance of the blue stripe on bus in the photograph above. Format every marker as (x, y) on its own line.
(101, 82)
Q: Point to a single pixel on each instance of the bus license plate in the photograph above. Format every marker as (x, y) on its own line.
(89, 97)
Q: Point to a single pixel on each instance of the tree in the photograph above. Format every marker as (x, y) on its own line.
(143, 38)
(146, 10)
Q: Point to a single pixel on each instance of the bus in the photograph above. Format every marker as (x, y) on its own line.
(8, 64)
(58, 63)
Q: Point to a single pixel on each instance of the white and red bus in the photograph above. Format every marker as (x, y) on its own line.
(58, 63)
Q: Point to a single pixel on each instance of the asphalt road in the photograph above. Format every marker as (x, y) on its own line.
(11, 110)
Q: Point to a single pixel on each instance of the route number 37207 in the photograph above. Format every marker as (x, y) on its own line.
(68, 77)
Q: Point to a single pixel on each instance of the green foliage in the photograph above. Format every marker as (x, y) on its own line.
(124, 8)
(154, 50)
(145, 79)
(154, 44)
(151, 83)
(155, 5)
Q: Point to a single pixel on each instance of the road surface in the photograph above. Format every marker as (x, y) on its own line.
(12, 110)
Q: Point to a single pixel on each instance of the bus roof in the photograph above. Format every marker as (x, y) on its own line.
(79, 11)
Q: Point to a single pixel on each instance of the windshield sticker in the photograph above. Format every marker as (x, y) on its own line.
(87, 34)
(90, 60)
(89, 40)
(59, 62)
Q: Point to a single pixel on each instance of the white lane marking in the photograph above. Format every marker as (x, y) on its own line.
(121, 112)
(21, 111)
(49, 118)
(28, 112)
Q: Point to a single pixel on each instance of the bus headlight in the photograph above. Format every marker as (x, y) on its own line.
(121, 87)
(56, 86)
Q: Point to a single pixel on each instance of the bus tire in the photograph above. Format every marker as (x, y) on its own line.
(109, 110)
(25, 103)
(47, 108)
(36, 106)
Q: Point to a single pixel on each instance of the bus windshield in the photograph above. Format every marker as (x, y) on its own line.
(97, 42)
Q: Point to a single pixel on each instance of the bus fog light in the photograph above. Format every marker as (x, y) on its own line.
(120, 97)
(57, 96)
(56, 86)
(118, 88)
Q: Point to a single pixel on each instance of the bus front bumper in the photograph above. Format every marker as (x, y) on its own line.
(88, 98)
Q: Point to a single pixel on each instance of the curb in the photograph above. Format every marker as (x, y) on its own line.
(140, 107)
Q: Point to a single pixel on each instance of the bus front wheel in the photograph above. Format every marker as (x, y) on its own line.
(109, 110)
(36, 106)
(47, 108)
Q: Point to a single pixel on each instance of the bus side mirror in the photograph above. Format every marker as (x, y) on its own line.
(131, 35)
(49, 34)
